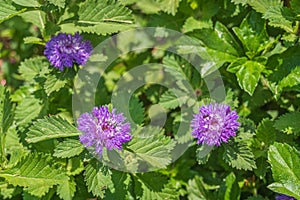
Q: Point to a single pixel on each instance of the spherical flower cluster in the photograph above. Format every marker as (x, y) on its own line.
(284, 197)
(214, 124)
(63, 50)
(103, 128)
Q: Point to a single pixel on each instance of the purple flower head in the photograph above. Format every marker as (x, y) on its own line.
(103, 128)
(284, 197)
(65, 49)
(215, 124)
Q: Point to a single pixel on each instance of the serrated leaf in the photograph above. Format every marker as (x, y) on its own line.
(59, 3)
(28, 110)
(35, 17)
(289, 123)
(292, 79)
(68, 148)
(96, 179)
(33, 67)
(169, 100)
(6, 190)
(50, 128)
(263, 5)
(27, 3)
(55, 82)
(239, 154)
(67, 189)
(35, 174)
(121, 180)
(169, 6)
(103, 17)
(33, 40)
(8, 11)
(151, 147)
(247, 72)
(232, 189)
(285, 165)
(196, 189)
(192, 24)
(136, 110)
(266, 132)
(6, 116)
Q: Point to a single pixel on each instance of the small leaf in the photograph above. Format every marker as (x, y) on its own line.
(169, 6)
(59, 3)
(33, 67)
(266, 132)
(6, 116)
(50, 128)
(68, 148)
(285, 165)
(27, 3)
(239, 154)
(96, 180)
(289, 123)
(196, 189)
(67, 189)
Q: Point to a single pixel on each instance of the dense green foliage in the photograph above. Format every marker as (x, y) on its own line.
(253, 44)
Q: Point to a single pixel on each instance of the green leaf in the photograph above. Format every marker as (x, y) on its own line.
(50, 128)
(97, 180)
(59, 3)
(266, 133)
(285, 165)
(6, 114)
(192, 24)
(239, 154)
(35, 17)
(232, 188)
(8, 11)
(263, 5)
(6, 190)
(27, 3)
(247, 72)
(67, 189)
(68, 148)
(136, 110)
(151, 147)
(196, 190)
(103, 17)
(33, 40)
(28, 110)
(292, 79)
(33, 67)
(253, 35)
(56, 81)
(35, 174)
(155, 186)
(169, 6)
(169, 100)
(289, 123)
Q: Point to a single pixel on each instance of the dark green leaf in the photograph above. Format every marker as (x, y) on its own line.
(289, 123)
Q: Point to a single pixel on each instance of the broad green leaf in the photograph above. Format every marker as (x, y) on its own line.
(196, 190)
(151, 147)
(67, 189)
(155, 186)
(263, 5)
(277, 18)
(59, 3)
(285, 165)
(35, 174)
(33, 68)
(29, 109)
(55, 82)
(6, 114)
(8, 11)
(97, 179)
(289, 123)
(169, 6)
(27, 3)
(292, 79)
(68, 148)
(103, 17)
(35, 17)
(253, 35)
(266, 132)
(239, 154)
(136, 110)
(50, 128)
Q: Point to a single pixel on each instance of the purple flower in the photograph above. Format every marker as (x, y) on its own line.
(103, 128)
(284, 197)
(65, 49)
(215, 124)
